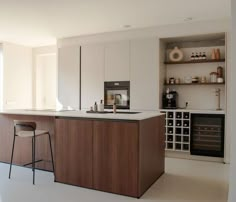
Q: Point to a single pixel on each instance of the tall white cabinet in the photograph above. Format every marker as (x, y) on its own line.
(144, 74)
(92, 74)
(117, 61)
(134, 60)
(69, 76)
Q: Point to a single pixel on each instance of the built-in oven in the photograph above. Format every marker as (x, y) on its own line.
(117, 92)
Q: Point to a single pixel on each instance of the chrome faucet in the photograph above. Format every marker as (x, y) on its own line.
(217, 92)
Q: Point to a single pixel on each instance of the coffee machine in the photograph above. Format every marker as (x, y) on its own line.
(169, 99)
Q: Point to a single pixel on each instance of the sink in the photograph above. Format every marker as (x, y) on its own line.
(111, 112)
(127, 112)
(61, 110)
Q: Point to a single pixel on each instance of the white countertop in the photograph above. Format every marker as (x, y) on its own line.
(197, 111)
(82, 114)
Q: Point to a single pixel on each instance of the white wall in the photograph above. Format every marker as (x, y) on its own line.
(17, 76)
(232, 112)
(44, 84)
(177, 30)
(46, 81)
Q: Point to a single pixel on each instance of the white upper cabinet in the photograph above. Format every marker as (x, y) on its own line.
(117, 61)
(92, 75)
(144, 74)
(69, 76)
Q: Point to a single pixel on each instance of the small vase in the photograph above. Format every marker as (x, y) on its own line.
(217, 54)
(213, 54)
(176, 55)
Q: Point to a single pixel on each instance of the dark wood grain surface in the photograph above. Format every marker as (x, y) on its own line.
(115, 157)
(151, 151)
(73, 152)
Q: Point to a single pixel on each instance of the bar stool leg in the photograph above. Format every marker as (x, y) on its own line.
(51, 152)
(34, 140)
(12, 152)
(32, 152)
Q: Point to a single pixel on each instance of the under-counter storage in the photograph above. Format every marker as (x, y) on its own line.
(118, 156)
(177, 130)
(207, 135)
(194, 133)
(73, 152)
(115, 157)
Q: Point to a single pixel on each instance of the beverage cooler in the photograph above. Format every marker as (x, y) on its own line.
(207, 135)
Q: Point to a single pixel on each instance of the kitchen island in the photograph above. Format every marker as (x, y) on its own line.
(117, 153)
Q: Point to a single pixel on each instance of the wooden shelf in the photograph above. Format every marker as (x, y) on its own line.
(188, 84)
(194, 62)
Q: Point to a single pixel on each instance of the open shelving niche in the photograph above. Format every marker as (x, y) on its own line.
(198, 95)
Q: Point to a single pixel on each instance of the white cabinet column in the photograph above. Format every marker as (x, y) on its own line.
(92, 74)
(117, 61)
(69, 76)
(144, 74)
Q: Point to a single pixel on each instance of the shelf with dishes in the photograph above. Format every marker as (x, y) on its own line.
(207, 83)
(214, 78)
(195, 61)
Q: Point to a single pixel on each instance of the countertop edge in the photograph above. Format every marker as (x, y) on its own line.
(196, 111)
(82, 114)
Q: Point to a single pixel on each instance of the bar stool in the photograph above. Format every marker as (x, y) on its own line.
(27, 129)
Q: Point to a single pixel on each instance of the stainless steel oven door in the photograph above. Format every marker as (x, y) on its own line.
(118, 94)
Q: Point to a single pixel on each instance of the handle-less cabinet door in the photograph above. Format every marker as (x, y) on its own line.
(73, 152)
(144, 75)
(117, 65)
(115, 157)
(92, 74)
(69, 76)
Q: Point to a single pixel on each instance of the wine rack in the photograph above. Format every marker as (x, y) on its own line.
(177, 130)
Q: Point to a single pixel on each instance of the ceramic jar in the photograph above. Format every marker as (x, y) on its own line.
(176, 55)
(213, 77)
(217, 54)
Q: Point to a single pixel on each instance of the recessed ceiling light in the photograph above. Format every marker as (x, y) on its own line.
(188, 19)
(126, 26)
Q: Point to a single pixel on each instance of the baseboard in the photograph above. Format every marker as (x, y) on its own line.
(186, 155)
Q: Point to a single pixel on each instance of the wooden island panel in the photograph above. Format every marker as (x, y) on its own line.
(73, 152)
(151, 151)
(115, 156)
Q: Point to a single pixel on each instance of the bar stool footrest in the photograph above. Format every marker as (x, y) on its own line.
(33, 162)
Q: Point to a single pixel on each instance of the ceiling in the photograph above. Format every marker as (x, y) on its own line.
(41, 22)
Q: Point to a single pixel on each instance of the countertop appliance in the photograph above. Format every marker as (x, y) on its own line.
(117, 92)
(169, 99)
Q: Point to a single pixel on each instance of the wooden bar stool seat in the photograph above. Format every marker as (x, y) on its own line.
(27, 129)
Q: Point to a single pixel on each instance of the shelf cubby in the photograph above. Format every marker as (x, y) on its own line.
(177, 135)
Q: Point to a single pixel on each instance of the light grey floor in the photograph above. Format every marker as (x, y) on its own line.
(184, 181)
